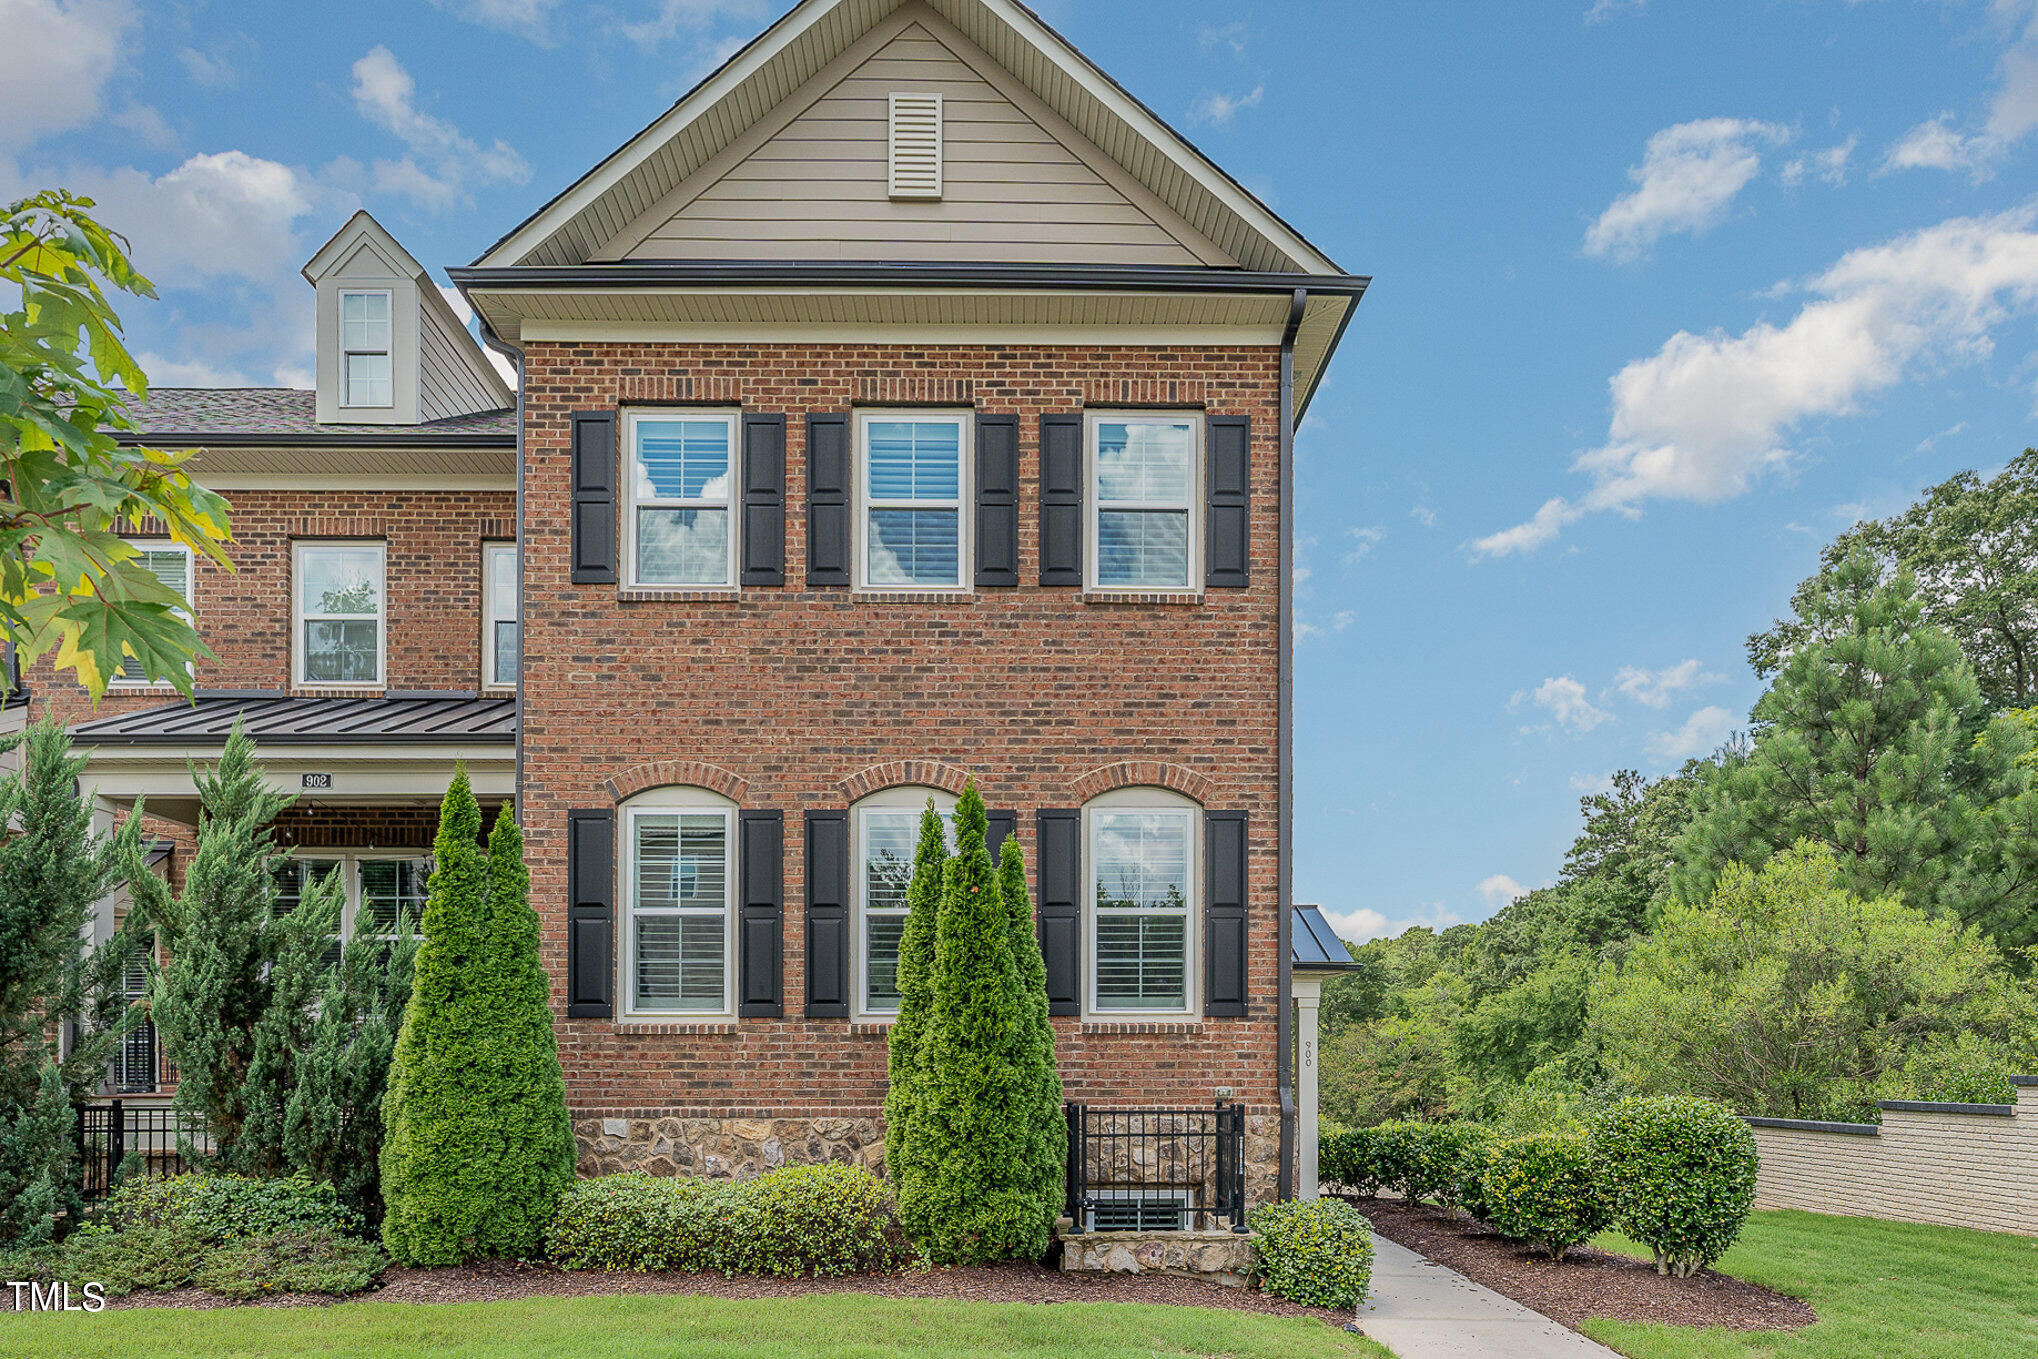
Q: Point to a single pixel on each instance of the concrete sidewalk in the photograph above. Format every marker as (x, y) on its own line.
(1425, 1311)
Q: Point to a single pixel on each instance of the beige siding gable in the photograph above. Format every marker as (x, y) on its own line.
(813, 182)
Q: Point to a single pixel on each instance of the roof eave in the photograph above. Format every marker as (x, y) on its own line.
(902, 274)
(313, 439)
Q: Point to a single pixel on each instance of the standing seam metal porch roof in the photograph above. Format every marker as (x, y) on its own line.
(275, 719)
(1314, 945)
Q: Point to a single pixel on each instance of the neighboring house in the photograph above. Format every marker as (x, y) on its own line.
(906, 404)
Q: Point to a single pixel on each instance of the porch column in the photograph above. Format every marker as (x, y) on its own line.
(1308, 993)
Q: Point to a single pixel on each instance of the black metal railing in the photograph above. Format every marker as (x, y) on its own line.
(143, 1138)
(1157, 1169)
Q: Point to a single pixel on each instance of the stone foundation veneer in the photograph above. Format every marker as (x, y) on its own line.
(1220, 1257)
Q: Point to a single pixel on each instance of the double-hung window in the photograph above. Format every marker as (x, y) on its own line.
(169, 563)
(1143, 489)
(340, 614)
(1142, 880)
(680, 872)
(365, 376)
(682, 528)
(887, 827)
(912, 477)
(500, 643)
(376, 892)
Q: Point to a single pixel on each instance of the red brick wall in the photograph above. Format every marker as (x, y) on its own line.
(796, 691)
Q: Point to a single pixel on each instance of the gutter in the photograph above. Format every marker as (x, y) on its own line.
(1284, 1022)
(873, 274)
(516, 358)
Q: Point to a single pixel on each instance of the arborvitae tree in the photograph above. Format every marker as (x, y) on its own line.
(224, 940)
(477, 1144)
(1865, 744)
(969, 1128)
(1037, 1083)
(53, 871)
(284, 1032)
(916, 999)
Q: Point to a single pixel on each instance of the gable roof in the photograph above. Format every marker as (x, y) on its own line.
(575, 226)
(174, 416)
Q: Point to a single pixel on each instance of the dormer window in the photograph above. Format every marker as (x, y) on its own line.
(365, 369)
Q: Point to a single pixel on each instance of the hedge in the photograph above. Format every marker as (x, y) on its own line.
(1540, 1189)
(1474, 1152)
(788, 1223)
(1318, 1252)
(1351, 1158)
(1677, 1174)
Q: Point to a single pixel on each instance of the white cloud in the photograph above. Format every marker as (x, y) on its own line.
(670, 18)
(1364, 923)
(1217, 109)
(1706, 415)
(1565, 700)
(525, 18)
(190, 373)
(219, 66)
(1937, 144)
(1829, 165)
(1687, 180)
(1305, 630)
(1499, 890)
(1423, 515)
(1702, 733)
(1231, 35)
(1932, 441)
(148, 126)
(1653, 688)
(1590, 784)
(60, 56)
(385, 95)
(1602, 10)
(1364, 540)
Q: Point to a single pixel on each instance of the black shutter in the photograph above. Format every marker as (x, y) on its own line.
(1060, 851)
(594, 498)
(997, 500)
(1224, 914)
(1000, 827)
(760, 920)
(828, 499)
(1061, 499)
(1228, 441)
(827, 915)
(590, 914)
(764, 499)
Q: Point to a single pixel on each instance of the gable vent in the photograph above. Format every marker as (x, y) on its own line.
(916, 146)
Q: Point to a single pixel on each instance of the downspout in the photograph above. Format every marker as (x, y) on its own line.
(516, 359)
(1284, 1024)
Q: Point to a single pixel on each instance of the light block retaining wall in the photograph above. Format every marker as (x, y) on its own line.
(1957, 1165)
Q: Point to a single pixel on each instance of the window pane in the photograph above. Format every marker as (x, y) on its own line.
(1145, 463)
(914, 547)
(682, 862)
(171, 567)
(368, 380)
(390, 887)
(1143, 547)
(502, 583)
(1142, 962)
(1142, 860)
(914, 460)
(341, 653)
(340, 580)
(881, 954)
(679, 962)
(683, 547)
(364, 320)
(682, 460)
(505, 653)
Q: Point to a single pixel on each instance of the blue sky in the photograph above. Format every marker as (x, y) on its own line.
(1667, 294)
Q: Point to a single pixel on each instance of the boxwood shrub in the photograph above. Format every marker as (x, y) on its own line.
(1435, 1170)
(1540, 1189)
(792, 1222)
(1318, 1252)
(1678, 1175)
(1350, 1158)
(1474, 1150)
(1397, 1154)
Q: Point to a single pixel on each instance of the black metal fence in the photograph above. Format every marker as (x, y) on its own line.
(1157, 1169)
(141, 1137)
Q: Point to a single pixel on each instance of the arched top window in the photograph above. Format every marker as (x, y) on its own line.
(678, 847)
(1141, 856)
(885, 833)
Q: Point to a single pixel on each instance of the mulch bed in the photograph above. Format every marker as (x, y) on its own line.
(1586, 1282)
(987, 1283)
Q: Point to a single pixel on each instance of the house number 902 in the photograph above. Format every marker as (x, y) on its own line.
(317, 781)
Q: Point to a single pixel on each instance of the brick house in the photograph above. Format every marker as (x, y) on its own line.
(908, 403)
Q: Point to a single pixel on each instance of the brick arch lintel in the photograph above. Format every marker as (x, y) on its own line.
(904, 774)
(1143, 774)
(670, 773)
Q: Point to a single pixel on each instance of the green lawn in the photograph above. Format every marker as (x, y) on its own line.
(819, 1326)
(1883, 1290)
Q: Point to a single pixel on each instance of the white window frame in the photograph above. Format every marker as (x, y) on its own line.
(190, 593)
(1144, 801)
(492, 615)
(1093, 501)
(676, 802)
(350, 861)
(909, 799)
(965, 556)
(732, 504)
(388, 349)
(299, 655)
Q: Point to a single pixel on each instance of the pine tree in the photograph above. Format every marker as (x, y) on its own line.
(477, 1143)
(968, 1130)
(54, 869)
(1043, 1158)
(909, 1029)
(1865, 743)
